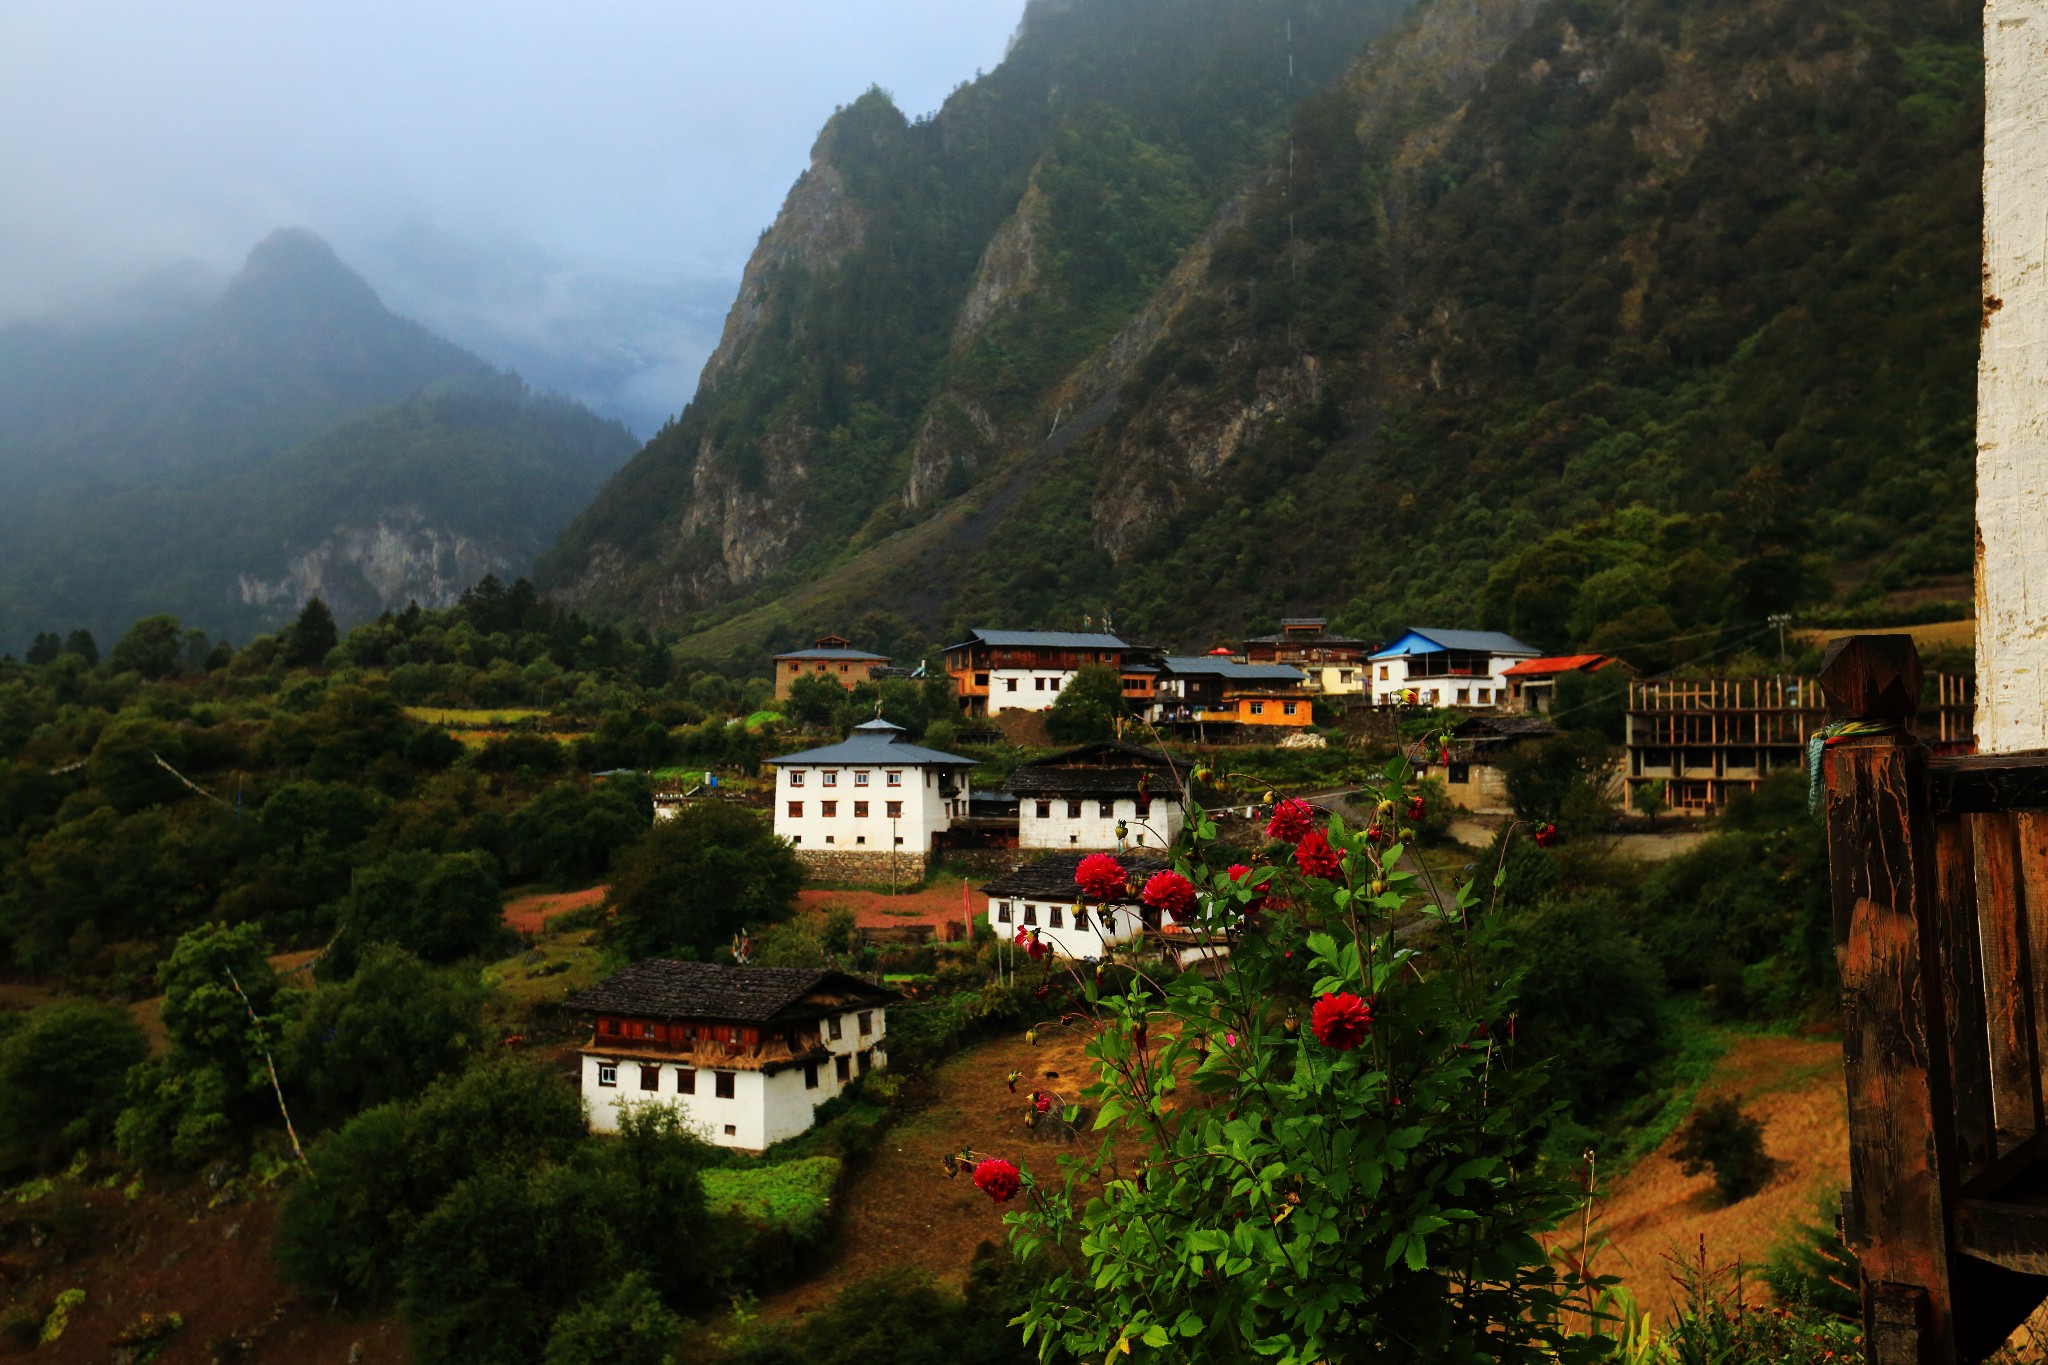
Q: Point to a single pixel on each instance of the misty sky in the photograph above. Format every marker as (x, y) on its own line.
(569, 188)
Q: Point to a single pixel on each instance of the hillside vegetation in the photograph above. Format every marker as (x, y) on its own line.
(1614, 323)
(227, 460)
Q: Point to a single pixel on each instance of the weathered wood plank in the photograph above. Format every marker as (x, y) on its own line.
(2031, 831)
(1959, 986)
(1895, 1057)
(2011, 1235)
(1973, 783)
(2002, 906)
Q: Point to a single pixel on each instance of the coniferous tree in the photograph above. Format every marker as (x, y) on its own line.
(81, 643)
(312, 635)
(46, 648)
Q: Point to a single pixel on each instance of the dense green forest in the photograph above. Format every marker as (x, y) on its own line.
(222, 460)
(1623, 324)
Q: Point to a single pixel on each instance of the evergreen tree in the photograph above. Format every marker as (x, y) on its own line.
(81, 643)
(312, 636)
(46, 648)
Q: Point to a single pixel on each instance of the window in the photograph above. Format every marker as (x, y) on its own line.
(867, 1023)
(1080, 917)
(1107, 809)
(831, 776)
(650, 1077)
(810, 1075)
(896, 779)
(866, 1059)
(1287, 708)
(1485, 695)
(796, 777)
(828, 809)
(1038, 684)
(796, 668)
(1045, 810)
(1009, 684)
(899, 838)
(860, 838)
(1073, 810)
(722, 1084)
(1383, 672)
(1054, 917)
(1464, 695)
(860, 810)
(1144, 807)
(731, 1131)
(893, 809)
(1053, 685)
(647, 1030)
(830, 839)
(860, 777)
(1002, 912)
(608, 1026)
(1458, 772)
(842, 668)
(981, 680)
(686, 1081)
(607, 1073)
(1031, 915)
(832, 1028)
(796, 810)
(842, 1067)
(1344, 675)
(1258, 708)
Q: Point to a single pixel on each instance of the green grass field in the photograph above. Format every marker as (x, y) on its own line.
(793, 1195)
(460, 718)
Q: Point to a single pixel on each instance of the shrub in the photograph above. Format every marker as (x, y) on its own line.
(382, 1035)
(905, 1319)
(1721, 1138)
(1328, 1150)
(627, 1326)
(569, 833)
(1810, 1266)
(62, 1078)
(439, 907)
(692, 882)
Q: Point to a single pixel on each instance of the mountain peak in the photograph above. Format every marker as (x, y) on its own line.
(296, 267)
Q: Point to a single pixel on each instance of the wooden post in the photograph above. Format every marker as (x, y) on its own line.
(2012, 385)
(1901, 1147)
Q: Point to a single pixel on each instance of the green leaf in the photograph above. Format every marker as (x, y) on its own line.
(1155, 1336)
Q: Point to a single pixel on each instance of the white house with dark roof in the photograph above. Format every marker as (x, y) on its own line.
(745, 1054)
(1043, 895)
(1466, 668)
(1081, 798)
(1025, 670)
(871, 808)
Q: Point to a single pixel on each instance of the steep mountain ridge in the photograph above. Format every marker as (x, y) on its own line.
(1624, 323)
(224, 458)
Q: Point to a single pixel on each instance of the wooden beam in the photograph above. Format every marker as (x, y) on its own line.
(1976, 783)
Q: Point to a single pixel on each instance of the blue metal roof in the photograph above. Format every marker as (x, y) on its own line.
(879, 743)
(1195, 665)
(834, 654)
(1431, 640)
(1042, 639)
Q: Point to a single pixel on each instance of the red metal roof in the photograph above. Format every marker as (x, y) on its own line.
(1564, 663)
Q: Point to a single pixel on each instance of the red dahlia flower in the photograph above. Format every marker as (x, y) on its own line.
(1243, 875)
(1315, 856)
(1030, 942)
(998, 1179)
(1171, 892)
(1341, 1021)
(1415, 808)
(1044, 1103)
(1291, 820)
(1101, 877)
(1546, 835)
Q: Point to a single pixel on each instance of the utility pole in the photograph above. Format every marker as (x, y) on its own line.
(1780, 619)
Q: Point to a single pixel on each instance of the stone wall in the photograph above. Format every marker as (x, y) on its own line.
(2012, 385)
(864, 867)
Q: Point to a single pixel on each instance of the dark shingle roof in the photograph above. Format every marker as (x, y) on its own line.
(1202, 665)
(1082, 781)
(880, 743)
(848, 654)
(1044, 639)
(1516, 727)
(1052, 878)
(661, 988)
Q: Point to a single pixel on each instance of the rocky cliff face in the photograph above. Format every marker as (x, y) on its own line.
(1504, 266)
(362, 570)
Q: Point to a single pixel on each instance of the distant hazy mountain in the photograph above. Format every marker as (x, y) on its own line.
(225, 456)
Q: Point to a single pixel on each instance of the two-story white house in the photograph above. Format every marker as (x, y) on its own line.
(745, 1054)
(871, 808)
(1025, 670)
(1043, 895)
(1466, 668)
(1099, 796)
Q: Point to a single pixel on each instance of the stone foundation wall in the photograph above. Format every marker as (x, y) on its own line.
(869, 867)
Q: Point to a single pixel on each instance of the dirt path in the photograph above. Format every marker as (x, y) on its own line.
(937, 904)
(1794, 1087)
(529, 914)
(900, 1210)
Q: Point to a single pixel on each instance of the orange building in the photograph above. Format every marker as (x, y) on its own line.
(1025, 670)
(1207, 689)
(830, 656)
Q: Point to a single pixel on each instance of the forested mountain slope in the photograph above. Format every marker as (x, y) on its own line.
(1622, 324)
(225, 459)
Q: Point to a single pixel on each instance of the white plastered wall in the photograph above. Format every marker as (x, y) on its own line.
(2012, 385)
(1030, 913)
